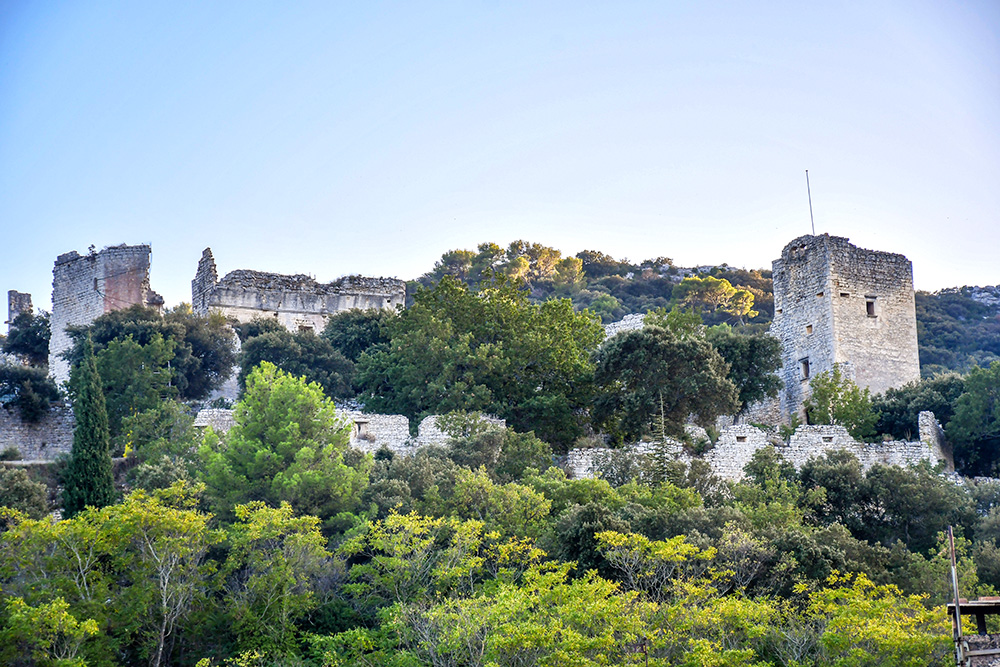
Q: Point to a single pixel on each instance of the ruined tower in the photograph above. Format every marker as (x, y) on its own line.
(84, 287)
(835, 303)
(17, 303)
(297, 302)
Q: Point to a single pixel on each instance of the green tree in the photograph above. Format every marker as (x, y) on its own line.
(134, 378)
(900, 408)
(28, 389)
(753, 359)
(28, 338)
(88, 480)
(18, 492)
(835, 399)
(49, 633)
(301, 354)
(288, 445)
(974, 430)
(652, 381)
(489, 350)
(351, 332)
(275, 562)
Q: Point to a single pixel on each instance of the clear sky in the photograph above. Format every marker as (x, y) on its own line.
(333, 138)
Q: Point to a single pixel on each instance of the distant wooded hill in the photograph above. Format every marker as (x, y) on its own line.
(957, 328)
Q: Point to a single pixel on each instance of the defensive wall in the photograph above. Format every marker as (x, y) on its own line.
(84, 287)
(369, 432)
(44, 441)
(297, 302)
(736, 446)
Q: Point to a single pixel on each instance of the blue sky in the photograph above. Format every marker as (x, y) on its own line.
(335, 138)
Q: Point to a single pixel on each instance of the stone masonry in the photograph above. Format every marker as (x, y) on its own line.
(43, 441)
(297, 302)
(17, 303)
(835, 303)
(84, 287)
(736, 446)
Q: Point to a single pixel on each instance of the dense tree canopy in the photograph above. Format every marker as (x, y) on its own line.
(488, 350)
(28, 338)
(301, 354)
(651, 381)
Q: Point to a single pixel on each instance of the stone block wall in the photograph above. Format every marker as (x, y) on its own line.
(297, 302)
(737, 444)
(44, 441)
(84, 287)
(429, 433)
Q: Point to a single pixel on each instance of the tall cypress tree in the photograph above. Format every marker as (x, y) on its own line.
(89, 480)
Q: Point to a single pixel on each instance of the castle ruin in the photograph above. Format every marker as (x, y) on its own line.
(18, 303)
(84, 287)
(835, 303)
(297, 302)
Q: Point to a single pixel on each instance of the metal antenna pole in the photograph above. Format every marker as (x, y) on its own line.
(809, 192)
(957, 627)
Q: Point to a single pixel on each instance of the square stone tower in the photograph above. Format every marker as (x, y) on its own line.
(84, 287)
(835, 303)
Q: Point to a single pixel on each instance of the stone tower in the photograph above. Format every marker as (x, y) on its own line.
(84, 287)
(835, 303)
(17, 303)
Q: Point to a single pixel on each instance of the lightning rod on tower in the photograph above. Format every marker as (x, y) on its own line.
(809, 192)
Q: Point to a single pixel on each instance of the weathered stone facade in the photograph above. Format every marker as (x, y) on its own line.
(43, 441)
(297, 302)
(84, 287)
(835, 303)
(369, 432)
(17, 303)
(737, 444)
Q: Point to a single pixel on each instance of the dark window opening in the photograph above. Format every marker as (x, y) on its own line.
(870, 307)
(804, 365)
(819, 294)
(809, 329)
(827, 438)
(741, 438)
(845, 294)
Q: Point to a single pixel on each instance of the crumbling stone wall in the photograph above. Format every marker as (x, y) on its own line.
(835, 303)
(17, 303)
(736, 446)
(44, 441)
(296, 302)
(84, 287)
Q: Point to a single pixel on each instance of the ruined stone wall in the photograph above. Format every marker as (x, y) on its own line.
(429, 433)
(837, 303)
(737, 444)
(44, 441)
(84, 287)
(17, 303)
(297, 302)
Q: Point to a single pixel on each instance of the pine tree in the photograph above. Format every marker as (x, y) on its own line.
(88, 480)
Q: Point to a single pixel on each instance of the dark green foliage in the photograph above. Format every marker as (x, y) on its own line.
(489, 351)
(88, 480)
(351, 332)
(974, 430)
(753, 359)
(899, 408)
(574, 532)
(302, 354)
(955, 332)
(257, 327)
(503, 452)
(17, 491)
(835, 399)
(203, 356)
(29, 338)
(28, 389)
(651, 381)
